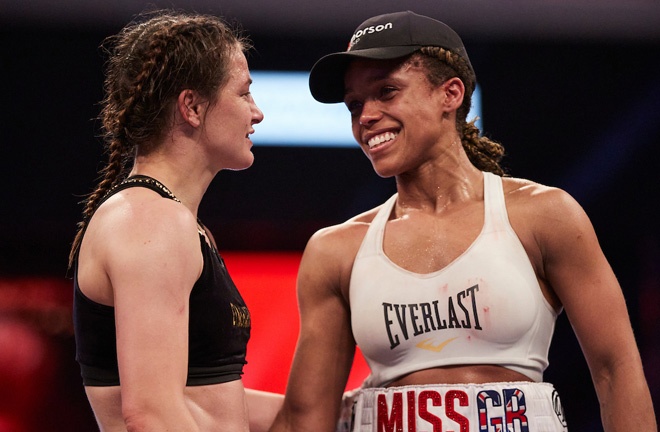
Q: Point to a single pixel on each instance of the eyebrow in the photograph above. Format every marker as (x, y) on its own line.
(377, 75)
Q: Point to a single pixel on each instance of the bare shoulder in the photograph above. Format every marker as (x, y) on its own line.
(549, 222)
(137, 234)
(328, 257)
(137, 212)
(544, 216)
(343, 239)
(534, 199)
(137, 229)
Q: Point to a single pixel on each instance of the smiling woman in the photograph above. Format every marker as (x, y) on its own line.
(452, 286)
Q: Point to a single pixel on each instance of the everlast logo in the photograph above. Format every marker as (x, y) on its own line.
(497, 411)
(409, 320)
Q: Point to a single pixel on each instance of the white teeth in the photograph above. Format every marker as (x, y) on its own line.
(379, 139)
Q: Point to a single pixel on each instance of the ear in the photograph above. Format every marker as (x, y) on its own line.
(191, 107)
(454, 91)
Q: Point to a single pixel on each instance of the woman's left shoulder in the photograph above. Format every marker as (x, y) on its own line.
(541, 202)
(524, 191)
(524, 187)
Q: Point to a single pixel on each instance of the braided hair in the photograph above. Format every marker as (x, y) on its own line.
(441, 65)
(150, 61)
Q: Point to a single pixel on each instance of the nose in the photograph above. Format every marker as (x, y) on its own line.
(370, 113)
(257, 115)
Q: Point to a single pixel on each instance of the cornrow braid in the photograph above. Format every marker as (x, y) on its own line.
(150, 61)
(442, 64)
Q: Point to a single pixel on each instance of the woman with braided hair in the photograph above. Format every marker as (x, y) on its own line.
(452, 287)
(161, 330)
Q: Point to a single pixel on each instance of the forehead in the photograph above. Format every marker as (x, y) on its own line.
(366, 71)
(372, 69)
(238, 68)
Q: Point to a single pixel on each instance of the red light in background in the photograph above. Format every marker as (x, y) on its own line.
(267, 282)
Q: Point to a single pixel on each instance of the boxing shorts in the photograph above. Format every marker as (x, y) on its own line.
(492, 407)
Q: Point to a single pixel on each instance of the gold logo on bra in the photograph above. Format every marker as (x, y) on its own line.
(427, 344)
(240, 316)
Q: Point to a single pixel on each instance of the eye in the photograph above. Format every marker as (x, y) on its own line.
(245, 90)
(247, 96)
(387, 91)
(354, 107)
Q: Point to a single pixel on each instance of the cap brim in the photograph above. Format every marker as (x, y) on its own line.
(326, 79)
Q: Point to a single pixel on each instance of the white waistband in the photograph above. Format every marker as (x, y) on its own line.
(492, 407)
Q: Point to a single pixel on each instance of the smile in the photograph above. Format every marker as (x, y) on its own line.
(380, 139)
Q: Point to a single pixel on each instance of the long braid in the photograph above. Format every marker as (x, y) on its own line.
(442, 64)
(110, 175)
(149, 64)
(113, 115)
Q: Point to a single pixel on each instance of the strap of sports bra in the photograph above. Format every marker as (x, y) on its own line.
(141, 181)
(155, 185)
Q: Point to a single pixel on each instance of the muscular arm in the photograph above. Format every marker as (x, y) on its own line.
(153, 260)
(325, 349)
(578, 272)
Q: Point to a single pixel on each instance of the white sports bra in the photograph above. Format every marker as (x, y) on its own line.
(486, 307)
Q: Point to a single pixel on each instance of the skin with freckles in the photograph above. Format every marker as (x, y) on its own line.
(407, 127)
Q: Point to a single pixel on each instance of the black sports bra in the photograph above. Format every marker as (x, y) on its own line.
(219, 321)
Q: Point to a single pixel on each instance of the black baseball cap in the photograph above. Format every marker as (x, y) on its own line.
(382, 37)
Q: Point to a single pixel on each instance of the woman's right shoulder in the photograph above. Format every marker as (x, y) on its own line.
(336, 246)
(131, 233)
(137, 216)
(346, 233)
(328, 258)
(143, 208)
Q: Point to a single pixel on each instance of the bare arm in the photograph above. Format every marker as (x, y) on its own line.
(325, 349)
(578, 272)
(263, 407)
(153, 260)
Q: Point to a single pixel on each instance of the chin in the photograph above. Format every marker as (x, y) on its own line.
(383, 171)
(243, 164)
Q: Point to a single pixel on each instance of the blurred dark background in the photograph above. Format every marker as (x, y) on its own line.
(572, 90)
